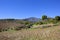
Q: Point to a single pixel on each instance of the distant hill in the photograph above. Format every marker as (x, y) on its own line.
(32, 19)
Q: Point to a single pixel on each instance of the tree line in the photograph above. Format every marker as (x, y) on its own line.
(44, 17)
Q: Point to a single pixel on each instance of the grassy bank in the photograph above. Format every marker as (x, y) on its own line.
(51, 33)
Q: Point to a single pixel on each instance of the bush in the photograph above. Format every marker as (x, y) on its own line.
(18, 28)
(38, 23)
(44, 17)
(57, 18)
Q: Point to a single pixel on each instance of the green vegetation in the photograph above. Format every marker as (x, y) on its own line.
(15, 24)
(44, 29)
(44, 17)
(57, 18)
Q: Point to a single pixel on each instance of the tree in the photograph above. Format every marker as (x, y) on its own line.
(57, 18)
(44, 17)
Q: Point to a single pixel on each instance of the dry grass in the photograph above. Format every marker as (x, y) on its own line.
(51, 33)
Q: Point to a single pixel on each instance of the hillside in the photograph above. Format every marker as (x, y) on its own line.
(20, 29)
(6, 24)
(51, 33)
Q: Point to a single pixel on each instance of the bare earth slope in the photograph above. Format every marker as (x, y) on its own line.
(10, 24)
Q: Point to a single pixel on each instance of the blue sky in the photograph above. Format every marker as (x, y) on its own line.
(29, 8)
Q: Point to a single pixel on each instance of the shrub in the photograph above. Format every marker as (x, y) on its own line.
(57, 18)
(18, 28)
(44, 17)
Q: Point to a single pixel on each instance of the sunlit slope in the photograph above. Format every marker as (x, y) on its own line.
(51, 33)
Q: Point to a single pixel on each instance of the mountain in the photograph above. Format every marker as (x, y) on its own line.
(32, 19)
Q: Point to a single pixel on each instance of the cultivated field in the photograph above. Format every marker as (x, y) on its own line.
(51, 33)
